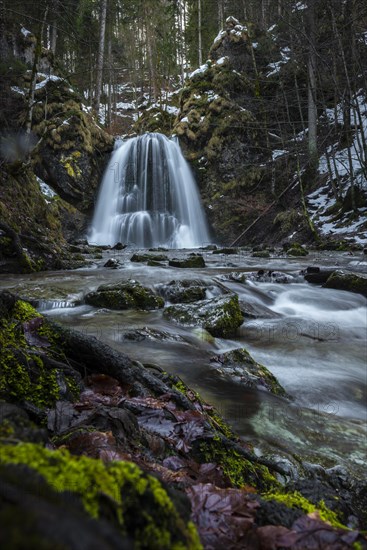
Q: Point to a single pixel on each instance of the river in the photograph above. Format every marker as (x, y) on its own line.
(311, 338)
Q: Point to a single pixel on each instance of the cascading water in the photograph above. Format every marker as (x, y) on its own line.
(148, 197)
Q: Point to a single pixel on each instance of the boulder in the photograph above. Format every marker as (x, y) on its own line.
(113, 263)
(124, 295)
(142, 258)
(220, 316)
(183, 292)
(297, 250)
(194, 260)
(239, 366)
(352, 282)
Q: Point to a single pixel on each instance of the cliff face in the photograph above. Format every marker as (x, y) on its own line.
(243, 126)
(49, 177)
(221, 127)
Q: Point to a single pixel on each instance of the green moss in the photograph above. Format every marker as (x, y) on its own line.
(23, 375)
(6, 246)
(240, 471)
(23, 311)
(297, 250)
(125, 295)
(6, 429)
(143, 508)
(296, 500)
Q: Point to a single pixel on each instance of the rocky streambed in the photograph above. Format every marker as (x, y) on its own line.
(120, 364)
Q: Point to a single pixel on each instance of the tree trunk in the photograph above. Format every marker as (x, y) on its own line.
(102, 33)
(312, 107)
(200, 46)
(32, 84)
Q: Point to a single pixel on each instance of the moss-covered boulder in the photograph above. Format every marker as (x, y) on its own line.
(124, 295)
(74, 149)
(29, 371)
(139, 505)
(297, 250)
(34, 223)
(239, 366)
(184, 291)
(193, 260)
(352, 282)
(144, 258)
(220, 316)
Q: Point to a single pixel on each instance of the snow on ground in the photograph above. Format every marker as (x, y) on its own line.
(201, 70)
(342, 164)
(275, 67)
(47, 79)
(278, 153)
(46, 190)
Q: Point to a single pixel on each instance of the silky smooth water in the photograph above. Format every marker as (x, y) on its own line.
(148, 198)
(313, 339)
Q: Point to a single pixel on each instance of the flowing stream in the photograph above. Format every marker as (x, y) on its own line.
(148, 197)
(312, 339)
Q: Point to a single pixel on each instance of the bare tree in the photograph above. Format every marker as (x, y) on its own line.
(100, 58)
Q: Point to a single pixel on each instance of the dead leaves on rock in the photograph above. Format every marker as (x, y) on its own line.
(226, 518)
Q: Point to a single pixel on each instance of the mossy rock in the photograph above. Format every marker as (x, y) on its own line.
(194, 260)
(297, 250)
(28, 370)
(295, 501)
(183, 292)
(124, 295)
(352, 282)
(139, 505)
(220, 316)
(143, 258)
(261, 254)
(238, 365)
(226, 251)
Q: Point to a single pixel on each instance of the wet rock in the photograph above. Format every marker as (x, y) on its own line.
(261, 254)
(239, 366)
(124, 295)
(297, 250)
(264, 276)
(113, 263)
(143, 258)
(148, 333)
(154, 263)
(351, 282)
(220, 316)
(119, 246)
(257, 311)
(226, 251)
(315, 275)
(183, 292)
(194, 260)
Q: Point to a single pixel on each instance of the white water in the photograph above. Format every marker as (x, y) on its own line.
(148, 198)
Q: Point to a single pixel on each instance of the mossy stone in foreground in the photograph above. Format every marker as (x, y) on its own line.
(347, 281)
(124, 295)
(220, 316)
(27, 345)
(142, 508)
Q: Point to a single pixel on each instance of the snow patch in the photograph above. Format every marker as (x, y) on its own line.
(25, 32)
(46, 190)
(201, 70)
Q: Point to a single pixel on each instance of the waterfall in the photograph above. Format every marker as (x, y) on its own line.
(148, 198)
